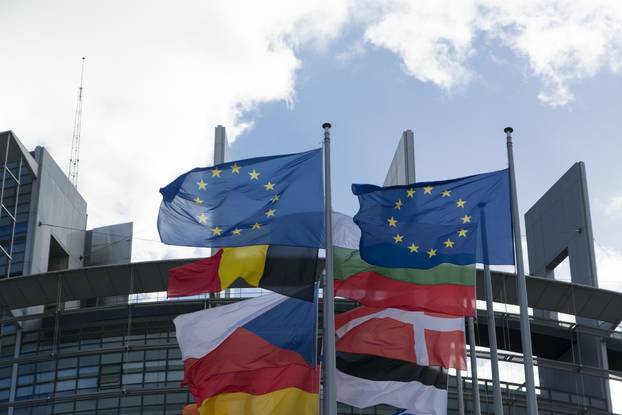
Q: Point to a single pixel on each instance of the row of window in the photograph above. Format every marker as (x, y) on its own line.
(17, 236)
(147, 404)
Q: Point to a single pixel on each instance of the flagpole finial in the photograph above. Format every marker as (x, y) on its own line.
(508, 130)
(326, 125)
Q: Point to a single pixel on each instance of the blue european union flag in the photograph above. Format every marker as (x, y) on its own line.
(460, 221)
(274, 200)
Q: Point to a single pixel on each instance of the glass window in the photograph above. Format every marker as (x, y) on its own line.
(155, 355)
(87, 383)
(176, 375)
(153, 399)
(132, 367)
(44, 388)
(130, 401)
(63, 408)
(45, 376)
(85, 406)
(44, 366)
(152, 410)
(92, 360)
(89, 371)
(107, 403)
(66, 373)
(181, 398)
(67, 363)
(111, 358)
(65, 385)
(154, 377)
(133, 378)
(24, 391)
(25, 379)
(135, 356)
(26, 369)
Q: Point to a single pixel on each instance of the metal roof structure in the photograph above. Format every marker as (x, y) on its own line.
(152, 276)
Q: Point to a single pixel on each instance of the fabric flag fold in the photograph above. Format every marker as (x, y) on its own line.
(288, 270)
(446, 288)
(252, 357)
(428, 339)
(275, 200)
(364, 381)
(422, 225)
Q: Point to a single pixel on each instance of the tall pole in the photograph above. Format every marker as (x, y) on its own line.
(477, 410)
(330, 401)
(521, 286)
(460, 393)
(497, 399)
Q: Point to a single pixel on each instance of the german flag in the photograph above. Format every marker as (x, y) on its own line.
(287, 270)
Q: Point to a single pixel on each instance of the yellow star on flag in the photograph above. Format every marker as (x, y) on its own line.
(235, 168)
(392, 222)
(413, 248)
(216, 231)
(256, 225)
(270, 212)
(446, 193)
(431, 253)
(462, 233)
(460, 203)
(276, 198)
(198, 200)
(427, 190)
(398, 204)
(202, 184)
(202, 218)
(216, 172)
(236, 231)
(449, 243)
(410, 193)
(466, 219)
(398, 238)
(254, 174)
(269, 186)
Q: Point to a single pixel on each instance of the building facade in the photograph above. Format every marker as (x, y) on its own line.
(83, 330)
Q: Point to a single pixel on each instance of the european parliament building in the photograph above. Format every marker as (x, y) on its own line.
(77, 338)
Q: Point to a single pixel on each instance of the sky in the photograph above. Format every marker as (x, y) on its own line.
(159, 76)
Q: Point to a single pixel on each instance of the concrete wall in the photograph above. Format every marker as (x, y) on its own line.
(58, 210)
(109, 245)
(559, 226)
(402, 169)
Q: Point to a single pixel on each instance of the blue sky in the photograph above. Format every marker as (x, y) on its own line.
(370, 100)
(160, 78)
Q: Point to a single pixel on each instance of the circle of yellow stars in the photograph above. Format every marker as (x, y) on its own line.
(254, 176)
(448, 244)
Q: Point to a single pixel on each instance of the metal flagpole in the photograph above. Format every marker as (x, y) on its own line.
(460, 393)
(330, 401)
(474, 379)
(492, 328)
(521, 286)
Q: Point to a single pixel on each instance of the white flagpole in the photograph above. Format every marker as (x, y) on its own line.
(474, 379)
(330, 401)
(497, 399)
(521, 286)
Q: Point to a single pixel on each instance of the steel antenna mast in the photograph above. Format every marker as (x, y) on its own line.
(75, 144)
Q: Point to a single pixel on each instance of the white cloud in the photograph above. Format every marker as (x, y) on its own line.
(434, 38)
(159, 76)
(564, 41)
(609, 267)
(614, 207)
